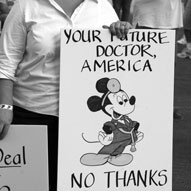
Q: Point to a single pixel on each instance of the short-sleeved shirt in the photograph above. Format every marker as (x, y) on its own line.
(163, 14)
(30, 48)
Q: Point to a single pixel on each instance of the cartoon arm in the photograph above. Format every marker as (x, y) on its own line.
(135, 126)
(106, 137)
(132, 124)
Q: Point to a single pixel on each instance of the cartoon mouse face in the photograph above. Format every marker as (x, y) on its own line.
(114, 101)
(120, 105)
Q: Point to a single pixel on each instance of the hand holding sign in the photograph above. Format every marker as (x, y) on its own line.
(5, 121)
(119, 28)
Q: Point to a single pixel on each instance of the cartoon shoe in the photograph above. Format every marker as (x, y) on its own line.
(121, 160)
(92, 159)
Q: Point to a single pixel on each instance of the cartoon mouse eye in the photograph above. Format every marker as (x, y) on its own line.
(119, 100)
(125, 98)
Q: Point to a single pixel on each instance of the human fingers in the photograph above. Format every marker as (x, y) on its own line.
(115, 29)
(6, 117)
(126, 27)
(1, 127)
(120, 28)
(3, 130)
(105, 27)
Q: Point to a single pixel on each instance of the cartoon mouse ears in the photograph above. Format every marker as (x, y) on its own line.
(101, 85)
(94, 103)
(105, 85)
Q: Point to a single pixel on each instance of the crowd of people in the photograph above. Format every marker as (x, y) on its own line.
(26, 59)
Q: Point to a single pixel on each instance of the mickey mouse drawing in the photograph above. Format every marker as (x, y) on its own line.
(120, 131)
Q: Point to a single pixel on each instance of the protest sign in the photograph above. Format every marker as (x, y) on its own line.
(116, 111)
(23, 159)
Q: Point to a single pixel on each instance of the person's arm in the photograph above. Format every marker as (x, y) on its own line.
(12, 47)
(4, 8)
(122, 9)
(6, 113)
(126, 11)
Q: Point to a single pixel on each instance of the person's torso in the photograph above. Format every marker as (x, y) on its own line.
(37, 85)
(158, 13)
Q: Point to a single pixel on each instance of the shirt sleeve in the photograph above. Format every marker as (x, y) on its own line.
(12, 42)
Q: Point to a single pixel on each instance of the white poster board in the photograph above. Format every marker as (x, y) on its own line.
(23, 159)
(116, 111)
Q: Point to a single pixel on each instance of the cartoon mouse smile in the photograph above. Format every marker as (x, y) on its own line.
(120, 131)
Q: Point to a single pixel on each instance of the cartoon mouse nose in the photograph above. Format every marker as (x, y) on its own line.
(132, 100)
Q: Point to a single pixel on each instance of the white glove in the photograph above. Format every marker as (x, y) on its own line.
(105, 139)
